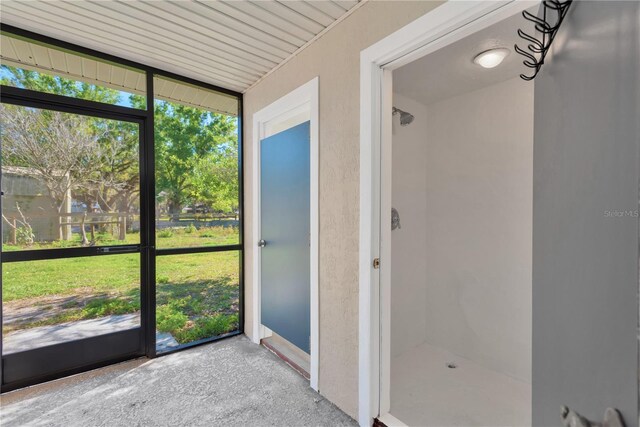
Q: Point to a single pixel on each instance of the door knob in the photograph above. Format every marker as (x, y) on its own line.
(262, 243)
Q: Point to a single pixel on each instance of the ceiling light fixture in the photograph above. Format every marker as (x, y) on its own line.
(491, 58)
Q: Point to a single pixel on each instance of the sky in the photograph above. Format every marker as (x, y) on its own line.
(123, 98)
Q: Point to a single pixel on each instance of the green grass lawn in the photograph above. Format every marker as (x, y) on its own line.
(197, 294)
(191, 236)
(177, 237)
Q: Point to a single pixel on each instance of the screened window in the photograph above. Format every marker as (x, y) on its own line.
(197, 204)
(196, 153)
(121, 209)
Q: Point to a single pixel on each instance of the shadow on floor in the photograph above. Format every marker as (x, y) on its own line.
(232, 382)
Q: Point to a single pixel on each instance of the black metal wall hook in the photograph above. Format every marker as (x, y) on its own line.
(536, 49)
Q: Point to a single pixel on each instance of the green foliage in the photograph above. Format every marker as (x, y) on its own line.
(196, 150)
(165, 234)
(24, 235)
(176, 317)
(196, 163)
(197, 294)
(205, 327)
(169, 319)
(196, 157)
(167, 238)
(101, 156)
(34, 80)
(100, 307)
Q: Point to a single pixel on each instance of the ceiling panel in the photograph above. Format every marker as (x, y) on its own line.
(330, 8)
(308, 10)
(255, 22)
(450, 71)
(279, 15)
(175, 41)
(231, 44)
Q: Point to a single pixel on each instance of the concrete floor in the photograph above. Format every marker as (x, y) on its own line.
(232, 383)
(41, 336)
(425, 392)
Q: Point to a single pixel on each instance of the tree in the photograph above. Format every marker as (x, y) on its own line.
(115, 183)
(33, 80)
(215, 179)
(196, 150)
(59, 148)
(115, 162)
(196, 157)
(94, 157)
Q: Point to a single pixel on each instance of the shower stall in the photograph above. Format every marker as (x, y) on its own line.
(498, 275)
(461, 239)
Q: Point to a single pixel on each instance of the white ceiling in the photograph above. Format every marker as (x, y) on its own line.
(451, 71)
(231, 44)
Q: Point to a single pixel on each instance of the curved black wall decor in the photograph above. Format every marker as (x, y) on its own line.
(536, 50)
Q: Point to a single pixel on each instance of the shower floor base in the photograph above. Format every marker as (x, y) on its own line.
(425, 392)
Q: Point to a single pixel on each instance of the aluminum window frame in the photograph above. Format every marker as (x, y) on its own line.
(147, 245)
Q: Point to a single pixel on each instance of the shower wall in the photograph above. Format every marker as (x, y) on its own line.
(409, 243)
(461, 267)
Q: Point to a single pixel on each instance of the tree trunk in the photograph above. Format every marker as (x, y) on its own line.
(122, 223)
(14, 233)
(60, 227)
(174, 211)
(85, 241)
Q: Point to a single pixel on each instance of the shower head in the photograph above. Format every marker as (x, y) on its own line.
(405, 118)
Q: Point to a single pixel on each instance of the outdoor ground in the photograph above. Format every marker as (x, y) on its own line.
(232, 382)
(197, 294)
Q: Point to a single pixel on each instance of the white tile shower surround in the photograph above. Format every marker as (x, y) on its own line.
(425, 392)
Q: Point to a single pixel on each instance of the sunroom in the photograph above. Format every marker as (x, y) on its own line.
(319, 212)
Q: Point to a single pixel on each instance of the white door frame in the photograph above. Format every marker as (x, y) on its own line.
(303, 98)
(442, 26)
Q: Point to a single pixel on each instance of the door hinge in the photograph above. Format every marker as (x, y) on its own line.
(376, 263)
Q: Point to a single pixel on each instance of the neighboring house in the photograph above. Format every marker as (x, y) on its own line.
(24, 191)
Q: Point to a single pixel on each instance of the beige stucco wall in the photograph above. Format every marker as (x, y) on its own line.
(335, 58)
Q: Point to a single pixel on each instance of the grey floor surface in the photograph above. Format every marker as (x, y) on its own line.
(232, 382)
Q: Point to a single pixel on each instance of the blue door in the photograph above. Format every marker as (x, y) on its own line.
(285, 228)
